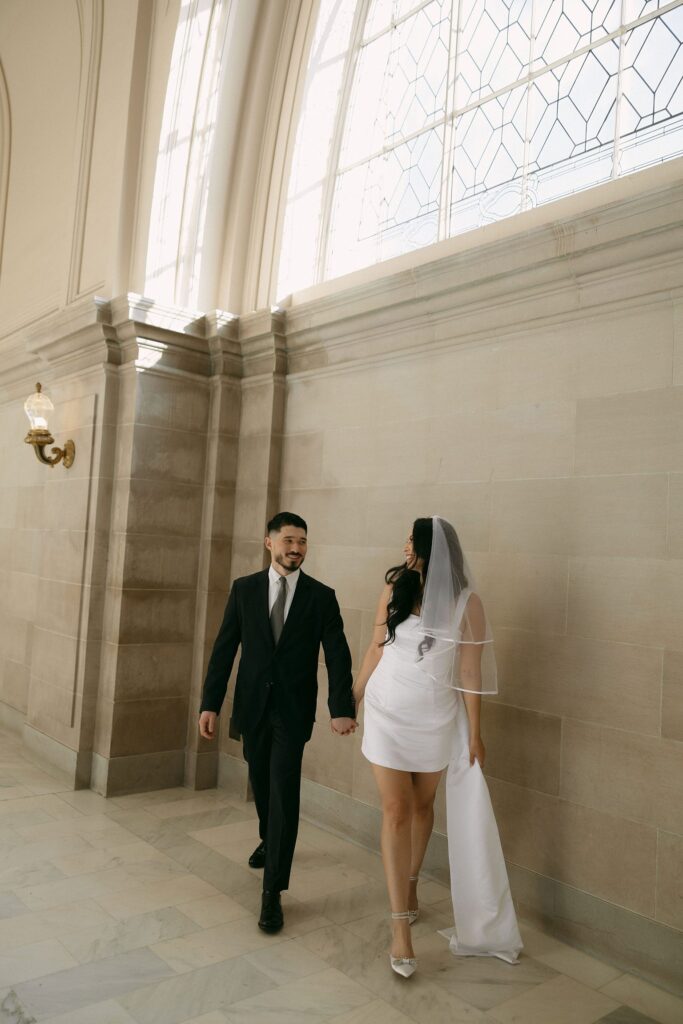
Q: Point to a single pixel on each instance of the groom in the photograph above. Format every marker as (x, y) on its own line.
(280, 616)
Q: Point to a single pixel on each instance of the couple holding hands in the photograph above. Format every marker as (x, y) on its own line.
(428, 662)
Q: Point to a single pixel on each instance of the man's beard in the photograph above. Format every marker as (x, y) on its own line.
(286, 562)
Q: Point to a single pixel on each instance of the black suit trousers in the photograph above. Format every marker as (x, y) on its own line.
(274, 757)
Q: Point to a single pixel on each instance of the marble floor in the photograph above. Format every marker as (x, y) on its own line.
(142, 910)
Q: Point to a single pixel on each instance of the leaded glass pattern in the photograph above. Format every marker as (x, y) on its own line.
(400, 191)
(651, 116)
(634, 9)
(494, 47)
(564, 26)
(422, 119)
(490, 144)
(653, 73)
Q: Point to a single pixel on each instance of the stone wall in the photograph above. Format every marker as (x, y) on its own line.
(529, 391)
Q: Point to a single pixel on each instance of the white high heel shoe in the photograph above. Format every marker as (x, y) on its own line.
(403, 965)
(414, 914)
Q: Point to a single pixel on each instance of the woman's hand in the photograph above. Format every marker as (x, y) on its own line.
(477, 751)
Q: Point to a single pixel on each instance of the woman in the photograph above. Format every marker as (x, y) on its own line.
(428, 663)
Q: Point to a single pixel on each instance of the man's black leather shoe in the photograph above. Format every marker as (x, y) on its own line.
(258, 857)
(271, 919)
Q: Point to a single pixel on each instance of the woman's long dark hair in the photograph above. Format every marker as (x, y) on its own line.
(408, 583)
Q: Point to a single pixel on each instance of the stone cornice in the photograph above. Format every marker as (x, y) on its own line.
(621, 253)
(133, 331)
(153, 336)
(584, 224)
(152, 319)
(75, 338)
(19, 371)
(263, 343)
(222, 336)
(177, 340)
(594, 260)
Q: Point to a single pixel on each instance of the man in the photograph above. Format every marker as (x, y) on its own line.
(280, 616)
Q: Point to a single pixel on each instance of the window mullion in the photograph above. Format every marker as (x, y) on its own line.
(353, 52)
(616, 155)
(397, 21)
(446, 191)
(525, 204)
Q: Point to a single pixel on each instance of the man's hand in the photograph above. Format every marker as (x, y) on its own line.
(343, 726)
(207, 724)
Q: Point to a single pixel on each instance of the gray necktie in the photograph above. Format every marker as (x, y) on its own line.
(277, 614)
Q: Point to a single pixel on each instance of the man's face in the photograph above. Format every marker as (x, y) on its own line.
(287, 547)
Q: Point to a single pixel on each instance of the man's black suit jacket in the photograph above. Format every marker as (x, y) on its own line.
(286, 673)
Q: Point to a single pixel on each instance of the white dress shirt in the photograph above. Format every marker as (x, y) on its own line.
(274, 578)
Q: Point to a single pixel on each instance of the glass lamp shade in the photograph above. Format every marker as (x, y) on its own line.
(38, 407)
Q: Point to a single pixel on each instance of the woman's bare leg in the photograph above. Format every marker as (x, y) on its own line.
(424, 786)
(396, 793)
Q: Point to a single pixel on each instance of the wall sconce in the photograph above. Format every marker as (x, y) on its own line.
(38, 407)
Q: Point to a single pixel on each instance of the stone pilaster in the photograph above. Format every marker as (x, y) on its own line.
(215, 553)
(264, 361)
(172, 511)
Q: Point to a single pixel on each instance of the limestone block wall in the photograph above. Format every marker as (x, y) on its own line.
(21, 548)
(55, 542)
(532, 395)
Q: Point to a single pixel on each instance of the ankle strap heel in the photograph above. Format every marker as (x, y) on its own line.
(403, 965)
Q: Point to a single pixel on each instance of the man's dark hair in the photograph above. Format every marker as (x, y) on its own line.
(286, 519)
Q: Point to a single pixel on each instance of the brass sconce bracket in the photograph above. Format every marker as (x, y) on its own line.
(40, 439)
(38, 408)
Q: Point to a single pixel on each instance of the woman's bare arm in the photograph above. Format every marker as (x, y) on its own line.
(470, 674)
(374, 652)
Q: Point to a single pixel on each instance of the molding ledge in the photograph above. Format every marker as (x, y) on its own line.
(11, 718)
(623, 253)
(574, 224)
(263, 343)
(131, 330)
(593, 258)
(73, 765)
(136, 773)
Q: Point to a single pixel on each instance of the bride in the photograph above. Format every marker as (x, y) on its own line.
(422, 677)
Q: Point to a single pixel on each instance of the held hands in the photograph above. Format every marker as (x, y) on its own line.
(207, 725)
(343, 726)
(477, 751)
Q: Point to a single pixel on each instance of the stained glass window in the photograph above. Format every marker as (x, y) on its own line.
(421, 119)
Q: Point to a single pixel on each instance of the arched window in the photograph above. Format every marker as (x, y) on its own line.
(421, 119)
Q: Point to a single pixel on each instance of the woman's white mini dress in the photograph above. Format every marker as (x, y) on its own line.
(416, 722)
